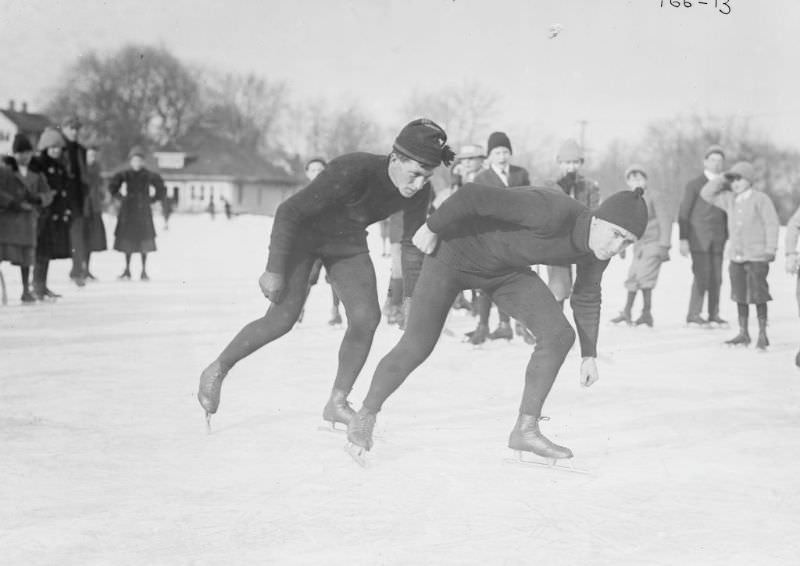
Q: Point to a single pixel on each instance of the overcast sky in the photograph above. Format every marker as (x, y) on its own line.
(617, 63)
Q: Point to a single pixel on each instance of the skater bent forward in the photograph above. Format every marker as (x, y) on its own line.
(328, 220)
(487, 239)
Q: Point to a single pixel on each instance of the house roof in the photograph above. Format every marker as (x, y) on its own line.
(26, 121)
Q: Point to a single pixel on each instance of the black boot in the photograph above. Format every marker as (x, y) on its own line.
(526, 437)
(623, 316)
(743, 338)
(479, 335)
(763, 341)
(503, 331)
(337, 409)
(210, 387)
(360, 428)
(645, 318)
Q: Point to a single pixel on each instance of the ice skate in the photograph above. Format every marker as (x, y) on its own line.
(502, 332)
(644, 318)
(526, 437)
(743, 338)
(125, 276)
(717, 322)
(145, 276)
(209, 390)
(696, 320)
(359, 435)
(797, 359)
(51, 294)
(762, 342)
(623, 316)
(27, 297)
(479, 335)
(336, 318)
(337, 410)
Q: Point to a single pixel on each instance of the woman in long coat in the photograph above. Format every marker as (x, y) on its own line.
(17, 224)
(53, 240)
(135, 232)
(93, 228)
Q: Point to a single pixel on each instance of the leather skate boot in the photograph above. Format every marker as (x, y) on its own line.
(337, 409)
(696, 319)
(27, 297)
(478, 336)
(743, 338)
(360, 428)
(716, 319)
(503, 331)
(527, 437)
(645, 318)
(209, 389)
(763, 341)
(623, 316)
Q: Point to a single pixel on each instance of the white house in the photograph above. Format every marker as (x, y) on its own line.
(13, 121)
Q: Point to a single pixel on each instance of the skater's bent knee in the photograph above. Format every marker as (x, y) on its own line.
(364, 319)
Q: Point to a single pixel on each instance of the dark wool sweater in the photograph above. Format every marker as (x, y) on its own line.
(495, 231)
(330, 216)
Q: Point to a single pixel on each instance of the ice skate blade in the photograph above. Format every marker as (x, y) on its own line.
(549, 463)
(330, 426)
(358, 454)
(208, 422)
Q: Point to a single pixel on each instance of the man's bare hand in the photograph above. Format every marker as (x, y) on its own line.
(425, 239)
(272, 285)
(589, 372)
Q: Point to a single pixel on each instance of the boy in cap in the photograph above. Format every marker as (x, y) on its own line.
(486, 238)
(328, 220)
(649, 252)
(753, 233)
(793, 260)
(500, 173)
(703, 234)
(469, 162)
(570, 160)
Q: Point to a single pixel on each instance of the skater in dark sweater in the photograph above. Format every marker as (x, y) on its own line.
(487, 239)
(328, 220)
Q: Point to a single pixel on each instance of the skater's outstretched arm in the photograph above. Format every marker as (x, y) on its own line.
(525, 207)
(585, 301)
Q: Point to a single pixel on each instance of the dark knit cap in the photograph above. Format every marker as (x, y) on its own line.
(424, 141)
(626, 209)
(21, 144)
(137, 150)
(498, 139)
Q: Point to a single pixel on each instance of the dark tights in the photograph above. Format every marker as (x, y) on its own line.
(128, 262)
(353, 280)
(485, 307)
(521, 294)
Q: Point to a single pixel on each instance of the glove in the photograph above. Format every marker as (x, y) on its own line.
(272, 285)
(663, 254)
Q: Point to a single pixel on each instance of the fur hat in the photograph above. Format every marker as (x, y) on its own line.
(425, 142)
(498, 139)
(569, 151)
(626, 209)
(51, 138)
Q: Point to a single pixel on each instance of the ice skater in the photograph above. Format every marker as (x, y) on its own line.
(487, 238)
(328, 220)
(793, 260)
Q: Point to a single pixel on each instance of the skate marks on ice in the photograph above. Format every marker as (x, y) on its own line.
(528, 459)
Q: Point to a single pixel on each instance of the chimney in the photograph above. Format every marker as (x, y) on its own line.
(11, 105)
(24, 107)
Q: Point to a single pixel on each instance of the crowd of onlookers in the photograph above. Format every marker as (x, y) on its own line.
(52, 197)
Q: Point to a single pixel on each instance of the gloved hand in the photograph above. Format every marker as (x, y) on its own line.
(272, 285)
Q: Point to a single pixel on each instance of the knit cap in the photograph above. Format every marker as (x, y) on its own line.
(743, 169)
(714, 149)
(51, 138)
(498, 139)
(626, 209)
(21, 144)
(424, 141)
(137, 150)
(569, 151)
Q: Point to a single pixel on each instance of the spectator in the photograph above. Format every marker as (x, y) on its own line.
(74, 156)
(135, 232)
(703, 234)
(17, 224)
(94, 231)
(753, 232)
(649, 252)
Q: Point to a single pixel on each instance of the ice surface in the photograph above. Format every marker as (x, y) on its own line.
(105, 460)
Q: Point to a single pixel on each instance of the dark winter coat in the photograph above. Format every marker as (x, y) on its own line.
(492, 231)
(517, 177)
(585, 191)
(74, 158)
(330, 216)
(17, 226)
(54, 239)
(700, 222)
(93, 209)
(135, 219)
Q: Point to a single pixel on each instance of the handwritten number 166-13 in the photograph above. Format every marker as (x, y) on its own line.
(723, 6)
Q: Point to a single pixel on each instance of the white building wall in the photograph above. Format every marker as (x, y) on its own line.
(8, 130)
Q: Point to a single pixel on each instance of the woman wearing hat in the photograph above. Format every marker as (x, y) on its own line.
(135, 232)
(328, 220)
(486, 238)
(17, 224)
(53, 240)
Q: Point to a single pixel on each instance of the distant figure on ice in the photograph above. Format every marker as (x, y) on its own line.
(17, 225)
(487, 238)
(649, 252)
(703, 232)
(226, 205)
(74, 159)
(94, 231)
(211, 208)
(135, 232)
(328, 220)
(167, 208)
(793, 260)
(753, 232)
(499, 173)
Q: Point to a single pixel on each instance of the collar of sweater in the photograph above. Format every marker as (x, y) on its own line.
(744, 195)
(580, 233)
